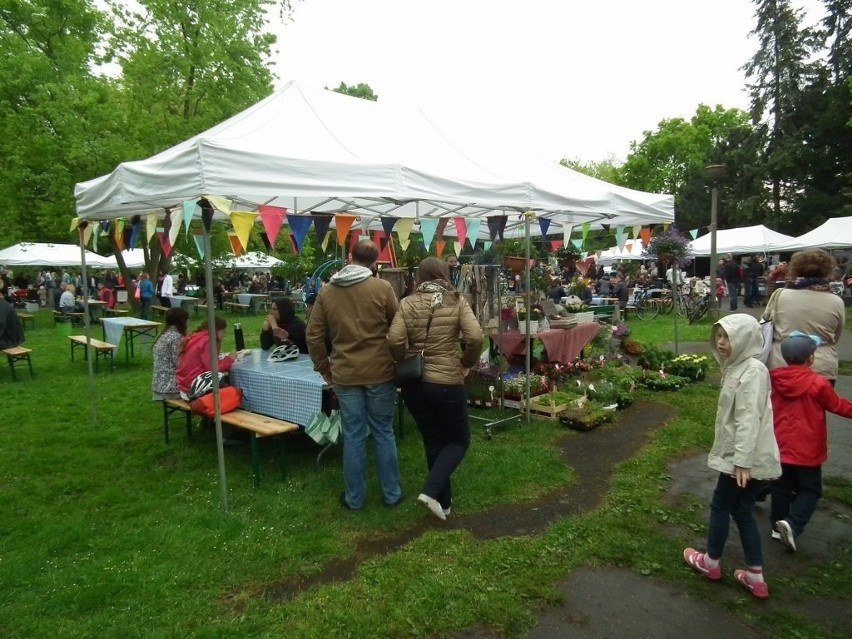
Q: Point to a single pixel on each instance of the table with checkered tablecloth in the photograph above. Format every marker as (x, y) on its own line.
(291, 391)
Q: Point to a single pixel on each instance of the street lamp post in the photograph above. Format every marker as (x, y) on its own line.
(715, 173)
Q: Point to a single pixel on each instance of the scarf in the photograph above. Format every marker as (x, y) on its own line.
(436, 288)
(810, 284)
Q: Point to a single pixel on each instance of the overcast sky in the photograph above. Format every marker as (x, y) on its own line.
(572, 78)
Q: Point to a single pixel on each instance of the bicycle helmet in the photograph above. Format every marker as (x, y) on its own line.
(202, 385)
(286, 352)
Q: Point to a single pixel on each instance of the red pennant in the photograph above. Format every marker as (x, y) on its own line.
(236, 247)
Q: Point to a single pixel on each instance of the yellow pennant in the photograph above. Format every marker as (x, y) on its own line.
(243, 222)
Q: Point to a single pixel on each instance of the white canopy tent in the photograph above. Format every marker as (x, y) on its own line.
(316, 151)
(748, 239)
(133, 258)
(834, 233)
(253, 260)
(50, 255)
(632, 252)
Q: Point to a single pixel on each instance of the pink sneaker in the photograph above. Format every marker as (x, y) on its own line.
(696, 560)
(759, 589)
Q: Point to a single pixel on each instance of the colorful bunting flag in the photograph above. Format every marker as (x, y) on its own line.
(544, 224)
(174, 229)
(620, 237)
(243, 222)
(118, 234)
(586, 227)
(236, 245)
(189, 207)
(567, 229)
(198, 236)
(473, 230)
(694, 233)
(403, 231)
(272, 218)
(299, 225)
(220, 203)
(343, 222)
(442, 226)
(164, 241)
(151, 224)
(439, 247)
(321, 225)
(428, 226)
(497, 226)
(461, 229)
(457, 247)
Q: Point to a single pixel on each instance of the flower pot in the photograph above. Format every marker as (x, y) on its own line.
(533, 326)
(515, 264)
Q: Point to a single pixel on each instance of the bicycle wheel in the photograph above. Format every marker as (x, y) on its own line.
(665, 303)
(685, 304)
(698, 312)
(647, 309)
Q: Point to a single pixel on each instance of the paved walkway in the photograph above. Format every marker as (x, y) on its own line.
(610, 602)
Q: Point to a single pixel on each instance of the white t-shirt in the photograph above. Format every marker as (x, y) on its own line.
(166, 289)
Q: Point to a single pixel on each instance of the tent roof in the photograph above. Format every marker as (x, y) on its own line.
(834, 233)
(614, 254)
(316, 151)
(248, 261)
(46, 254)
(748, 239)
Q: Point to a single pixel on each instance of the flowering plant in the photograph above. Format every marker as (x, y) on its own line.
(670, 245)
(620, 330)
(518, 385)
(692, 366)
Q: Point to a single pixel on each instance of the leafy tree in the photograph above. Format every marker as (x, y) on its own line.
(779, 70)
(360, 90)
(608, 170)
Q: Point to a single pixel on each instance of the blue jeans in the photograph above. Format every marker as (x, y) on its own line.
(440, 411)
(733, 292)
(145, 308)
(795, 495)
(363, 407)
(732, 502)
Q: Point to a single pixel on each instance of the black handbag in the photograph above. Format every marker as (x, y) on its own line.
(410, 369)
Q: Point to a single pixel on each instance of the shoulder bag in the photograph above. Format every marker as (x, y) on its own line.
(767, 327)
(410, 369)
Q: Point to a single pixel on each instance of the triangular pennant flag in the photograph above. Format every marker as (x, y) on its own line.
(381, 239)
(236, 245)
(645, 234)
(442, 226)
(439, 247)
(198, 236)
(75, 223)
(605, 227)
(457, 247)
(497, 226)
(87, 233)
(267, 246)
(164, 242)
(403, 231)
(95, 238)
(189, 207)
(584, 255)
(427, 229)
(555, 245)
(620, 238)
(206, 214)
(343, 222)
(694, 233)
(272, 218)
(220, 203)
(118, 234)
(567, 229)
(365, 226)
(636, 230)
(578, 243)
(151, 227)
(586, 227)
(665, 227)
(628, 246)
(174, 229)
(388, 224)
(321, 226)
(487, 245)
(461, 230)
(292, 241)
(134, 234)
(324, 243)
(243, 221)
(544, 224)
(299, 225)
(473, 231)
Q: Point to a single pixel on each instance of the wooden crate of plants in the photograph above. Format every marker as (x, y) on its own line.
(544, 407)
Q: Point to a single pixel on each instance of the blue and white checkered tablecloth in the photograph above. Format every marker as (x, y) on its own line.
(114, 329)
(291, 391)
(246, 298)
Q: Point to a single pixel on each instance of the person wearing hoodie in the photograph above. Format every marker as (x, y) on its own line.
(744, 451)
(353, 313)
(195, 356)
(282, 325)
(800, 398)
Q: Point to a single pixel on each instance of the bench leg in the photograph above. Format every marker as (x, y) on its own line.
(12, 367)
(255, 459)
(282, 458)
(166, 422)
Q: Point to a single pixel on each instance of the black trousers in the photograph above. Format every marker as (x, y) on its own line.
(440, 411)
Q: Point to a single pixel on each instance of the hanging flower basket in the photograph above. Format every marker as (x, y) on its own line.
(515, 264)
(669, 246)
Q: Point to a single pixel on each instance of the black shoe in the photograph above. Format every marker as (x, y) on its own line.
(345, 503)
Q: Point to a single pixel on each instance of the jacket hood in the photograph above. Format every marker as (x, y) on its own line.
(351, 274)
(791, 382)
(745, 336)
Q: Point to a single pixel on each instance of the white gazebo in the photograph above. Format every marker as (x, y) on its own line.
(49, 255)
(739, 241)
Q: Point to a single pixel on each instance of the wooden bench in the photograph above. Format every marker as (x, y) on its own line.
(160, 309)
(200, 307)
(115, 312)
(76, 319)
(261, 426)
(257, 425)
(604, 313)
(236, 306)
(16, 356)
(103, 350)
(27, 317)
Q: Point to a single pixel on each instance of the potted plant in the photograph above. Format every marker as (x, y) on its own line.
(516, 387)
(669, 247)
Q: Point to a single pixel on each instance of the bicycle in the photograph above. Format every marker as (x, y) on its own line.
(647, 307)
(699, 310)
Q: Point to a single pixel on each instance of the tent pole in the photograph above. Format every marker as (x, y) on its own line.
(93, 398)
(214, 359)
(527, 216)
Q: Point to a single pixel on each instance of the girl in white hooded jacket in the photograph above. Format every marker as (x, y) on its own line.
(744, 451)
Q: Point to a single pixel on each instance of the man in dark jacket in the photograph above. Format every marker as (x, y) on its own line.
(353, 313)
(731, 275)
(11, 331)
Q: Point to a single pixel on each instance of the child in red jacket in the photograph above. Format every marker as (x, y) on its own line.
(800, 398)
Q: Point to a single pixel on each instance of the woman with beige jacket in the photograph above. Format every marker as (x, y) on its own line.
(433, 319)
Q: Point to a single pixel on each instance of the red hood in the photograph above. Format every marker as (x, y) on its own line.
(791, 381)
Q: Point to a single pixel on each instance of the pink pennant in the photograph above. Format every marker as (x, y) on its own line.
(272, 218)
(461, 230)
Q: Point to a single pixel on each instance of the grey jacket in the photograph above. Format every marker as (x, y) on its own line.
(744, 433)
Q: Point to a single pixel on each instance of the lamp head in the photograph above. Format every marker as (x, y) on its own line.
(716, 172)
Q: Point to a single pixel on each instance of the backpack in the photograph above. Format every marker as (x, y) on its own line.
(230, 398)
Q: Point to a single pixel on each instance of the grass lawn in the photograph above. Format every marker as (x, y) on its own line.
(106, 531)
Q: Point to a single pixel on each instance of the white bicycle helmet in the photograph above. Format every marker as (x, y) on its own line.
(202, 385)
(286, 352)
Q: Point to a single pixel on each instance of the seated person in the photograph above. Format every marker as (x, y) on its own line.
(195, 356)
(167, 351)
(11, 331)
(556, 291)
(68, 302)
(281, 325)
